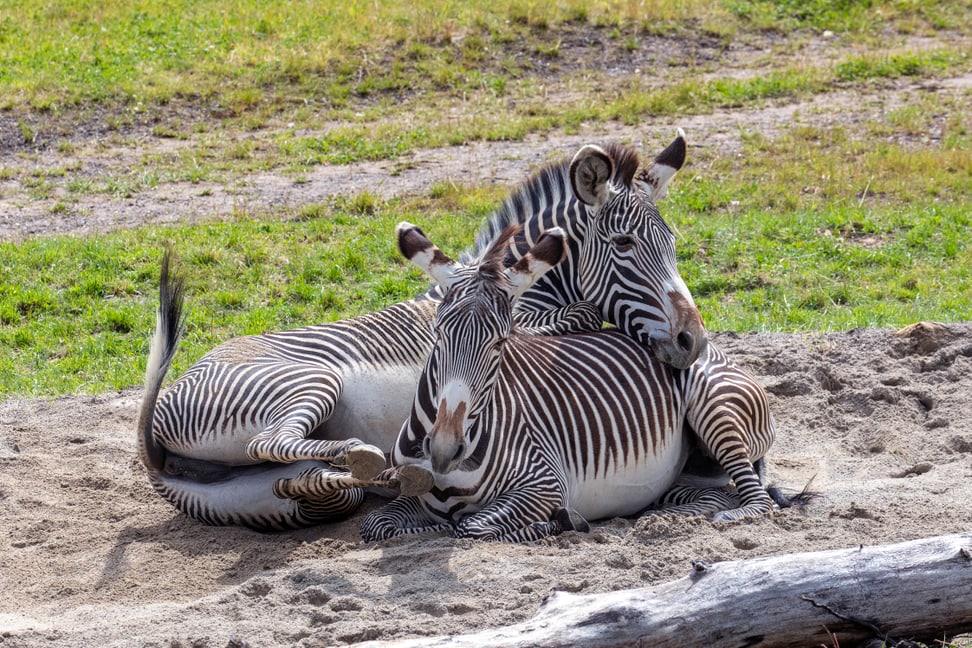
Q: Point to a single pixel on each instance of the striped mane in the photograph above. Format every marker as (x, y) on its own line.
(548, 186)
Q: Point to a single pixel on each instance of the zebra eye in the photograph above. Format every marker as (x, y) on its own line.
(623, 242)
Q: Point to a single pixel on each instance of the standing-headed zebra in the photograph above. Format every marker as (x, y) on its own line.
(527, 436)
(252, 433)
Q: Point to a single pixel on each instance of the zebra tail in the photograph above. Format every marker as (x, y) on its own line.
(169, 327)
(802, 498)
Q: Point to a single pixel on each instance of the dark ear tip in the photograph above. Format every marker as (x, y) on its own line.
(675, 153)
(551, 247)
(411, 239)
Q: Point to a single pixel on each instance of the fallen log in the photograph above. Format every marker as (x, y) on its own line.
(919, 590)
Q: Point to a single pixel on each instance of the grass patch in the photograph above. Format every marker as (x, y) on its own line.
(76, 315)
(832, 269)
(335, 84)
(815, 230)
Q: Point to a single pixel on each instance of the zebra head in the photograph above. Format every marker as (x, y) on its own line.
(627, 256)
(472, 325)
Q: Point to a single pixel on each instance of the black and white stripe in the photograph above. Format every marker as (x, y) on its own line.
(337, 393)
(526, 436)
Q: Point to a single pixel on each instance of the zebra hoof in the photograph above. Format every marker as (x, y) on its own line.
(571, 520)
(365, 462)
(413, 480)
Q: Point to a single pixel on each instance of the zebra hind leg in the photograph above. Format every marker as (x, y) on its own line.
(286, 445)
(321, 481)
(363, 461)
(288, 435)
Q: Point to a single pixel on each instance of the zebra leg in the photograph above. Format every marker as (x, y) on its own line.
(578, 317)
(321, 481)
(729, 412)
(331, 507)
(403, 516)
(246, 497)
(408, 479)
(754, 500)
(285, 440)
(685, 500)
(518, 516)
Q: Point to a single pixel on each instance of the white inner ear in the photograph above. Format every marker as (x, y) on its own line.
(654, 181)
(443, 274)
(520, 281)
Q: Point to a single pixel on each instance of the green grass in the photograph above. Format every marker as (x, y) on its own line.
(379, 80)
(813, 228)
(76, 314)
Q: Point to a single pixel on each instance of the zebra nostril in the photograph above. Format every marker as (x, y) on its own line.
(427, 447)
(684, 341)
(459, 451)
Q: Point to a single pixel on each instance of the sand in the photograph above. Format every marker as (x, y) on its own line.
(93, 557)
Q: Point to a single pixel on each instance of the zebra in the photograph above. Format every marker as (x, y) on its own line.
(529, 436)
(282, 430)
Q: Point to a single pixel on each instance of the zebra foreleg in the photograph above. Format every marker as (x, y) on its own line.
(578, 317)
(754, 500)
(685, 500)
(518, 516)
(723, 434)
(403, 516)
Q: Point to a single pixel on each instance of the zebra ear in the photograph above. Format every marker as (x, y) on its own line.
(654, 179)
(590, 171)
(549, 250)
(417, 248)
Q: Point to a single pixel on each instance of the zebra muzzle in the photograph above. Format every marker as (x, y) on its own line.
(446, 440)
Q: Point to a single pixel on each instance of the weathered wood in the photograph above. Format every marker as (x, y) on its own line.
(913, 590)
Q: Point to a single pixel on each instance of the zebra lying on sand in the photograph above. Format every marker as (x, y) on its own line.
(528, 436)
(263, 429)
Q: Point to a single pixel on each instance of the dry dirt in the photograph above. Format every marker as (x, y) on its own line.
(91, 556)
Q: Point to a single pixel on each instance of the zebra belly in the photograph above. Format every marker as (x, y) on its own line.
(374, 404)
(630, 488)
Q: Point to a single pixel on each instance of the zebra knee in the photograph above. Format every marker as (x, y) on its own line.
(377, 526)
(331, 508)
(474, 529)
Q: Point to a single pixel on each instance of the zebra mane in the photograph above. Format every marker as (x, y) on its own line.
(548, 186)
(492, 261)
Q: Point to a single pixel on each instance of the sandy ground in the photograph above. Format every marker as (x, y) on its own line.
(93, 557)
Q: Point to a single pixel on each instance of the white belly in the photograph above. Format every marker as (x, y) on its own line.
(631, 488)
(374, 405)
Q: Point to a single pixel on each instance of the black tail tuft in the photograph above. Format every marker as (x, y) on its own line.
(802, 498)
(171, 293)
